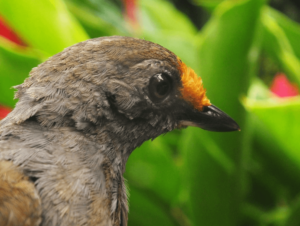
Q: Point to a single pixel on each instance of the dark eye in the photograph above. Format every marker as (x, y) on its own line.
(160, 86)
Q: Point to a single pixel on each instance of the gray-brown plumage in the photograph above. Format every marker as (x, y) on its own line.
(64, 147)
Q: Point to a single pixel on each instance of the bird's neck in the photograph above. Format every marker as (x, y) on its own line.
(119, 141)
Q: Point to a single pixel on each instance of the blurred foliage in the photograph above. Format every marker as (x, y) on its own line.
(191, 177)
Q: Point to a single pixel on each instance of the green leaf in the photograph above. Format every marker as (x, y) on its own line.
(261, 217)
(162, 23)
(99, 18)
(278, 46)
(209, 4)
(294, 216)
(158, 16)
(15, 65)
(281, 117)
(270, 151)
(44, 25)
(183, 45)
(259, 91)
(146, 210)
(274, 161)
(213, 162)
(150, 165)
(290, 28)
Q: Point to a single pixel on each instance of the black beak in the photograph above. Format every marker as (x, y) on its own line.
(210, 118)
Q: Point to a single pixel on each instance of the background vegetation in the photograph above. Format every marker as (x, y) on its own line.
(191, 177)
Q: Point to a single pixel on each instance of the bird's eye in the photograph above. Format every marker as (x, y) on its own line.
(160, 86)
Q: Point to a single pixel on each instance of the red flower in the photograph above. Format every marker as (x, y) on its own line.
(282, 87)
(131, 12)
(9, 34)
(3, 112)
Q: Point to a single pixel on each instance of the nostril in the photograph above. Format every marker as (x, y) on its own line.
(205, 109)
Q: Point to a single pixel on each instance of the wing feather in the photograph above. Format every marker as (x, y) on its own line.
(20, 204)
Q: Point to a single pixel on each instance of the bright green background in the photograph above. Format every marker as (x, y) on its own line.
(191, 177)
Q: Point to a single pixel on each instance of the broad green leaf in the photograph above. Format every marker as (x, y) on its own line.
(275, 176)
(275, 129)
(151, 167)
(184, 46)
(213, 162)
(259, 91)
(271, 152)
(278, 46)
(99, 17)
(158, 16)
(290, 28)
(273, 160)
(148, 210)
(15, 65)
(262, 217)
(208, 4)
(281, 116)
(162, 23)
(294, 216)
(44, 25)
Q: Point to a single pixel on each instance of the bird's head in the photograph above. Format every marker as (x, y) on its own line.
(121, 85)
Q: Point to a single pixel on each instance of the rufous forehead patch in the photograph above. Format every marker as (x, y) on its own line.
(192, 88)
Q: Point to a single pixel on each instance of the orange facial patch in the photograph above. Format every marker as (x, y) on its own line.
(192, 89)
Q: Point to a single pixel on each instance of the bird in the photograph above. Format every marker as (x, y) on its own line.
(79, 116)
